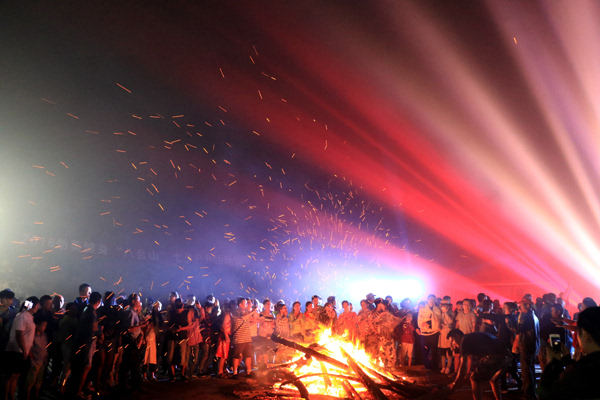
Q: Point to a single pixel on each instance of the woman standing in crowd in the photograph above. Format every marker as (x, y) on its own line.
(296, 320)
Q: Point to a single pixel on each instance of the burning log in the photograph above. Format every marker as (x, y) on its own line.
(293, 379)
(310, 352)
(350, 391)
(369, 383)
(335, 376)
(325, 375)
(406, 389)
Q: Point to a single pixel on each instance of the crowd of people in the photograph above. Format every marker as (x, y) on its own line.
(111, 344)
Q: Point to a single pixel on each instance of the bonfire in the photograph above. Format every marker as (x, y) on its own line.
(333, 367)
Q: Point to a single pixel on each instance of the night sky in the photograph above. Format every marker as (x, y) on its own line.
(284, 149)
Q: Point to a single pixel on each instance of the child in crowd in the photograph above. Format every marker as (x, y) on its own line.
(407, 339)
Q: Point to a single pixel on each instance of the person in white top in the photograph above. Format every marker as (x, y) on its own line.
(429, 322)
(19, 345)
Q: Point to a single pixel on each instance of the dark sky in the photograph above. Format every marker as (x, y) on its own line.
(289, 147)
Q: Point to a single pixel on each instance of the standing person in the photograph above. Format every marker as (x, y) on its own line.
(370, 299)
(466, 321)
(505, 321)
(580, 379)
(67, 332)
(296, 320)
(547, 328)
(346, 322)
(155, 323)
(254, 320)
(224, 342)
(7, 316)
(444, 347)
(429, 321)
(108, 319)
(81, 302)
(383, 324)
(362, 322)
(487, 324)
(310, 322)
(85, 344)
(209, 341)
(317, 308)
(407, 339)
(492, 355)
(19, 345)
(241, 336)
(327, 316)
(179, 325)
(528, 328)
(458, 308)
(266, 326)
(58, 302)
(480, 298)
(38, 357)
(55, 352)
(194, 336)
(172, 297)
(282, 323)
(131, 341)
(406, 307)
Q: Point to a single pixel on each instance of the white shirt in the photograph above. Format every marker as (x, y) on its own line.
(433, 315)
(23, 322)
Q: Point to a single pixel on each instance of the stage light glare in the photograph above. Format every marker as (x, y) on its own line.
(397, 288)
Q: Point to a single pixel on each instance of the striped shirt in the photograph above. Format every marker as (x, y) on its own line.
(241, 328)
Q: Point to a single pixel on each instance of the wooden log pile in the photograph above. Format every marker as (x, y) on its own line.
(353, 374)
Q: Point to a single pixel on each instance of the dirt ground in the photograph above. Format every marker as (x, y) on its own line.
(226, 389)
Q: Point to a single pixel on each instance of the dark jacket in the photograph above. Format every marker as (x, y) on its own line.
(580, 380)
(528, 329)
(505, 335)
(547, 328)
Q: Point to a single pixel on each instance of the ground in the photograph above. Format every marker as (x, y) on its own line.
(227, 389)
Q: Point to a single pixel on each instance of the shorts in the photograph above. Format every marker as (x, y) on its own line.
(488, 366)
(183, 351)
(35, 375)
(406, 350)
(243, 350)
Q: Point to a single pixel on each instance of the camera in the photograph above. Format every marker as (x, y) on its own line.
(555, 342)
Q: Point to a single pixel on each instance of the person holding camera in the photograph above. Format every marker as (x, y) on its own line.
(564, 379)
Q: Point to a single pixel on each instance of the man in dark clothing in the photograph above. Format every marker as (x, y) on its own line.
(493, 358)
(108, 319)
(7, 315)
(81, 302)
(547, 328)
(506, 337)
(179, 325)
(528, 328)
(131, 341)
(579, 380)
(85, 343)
